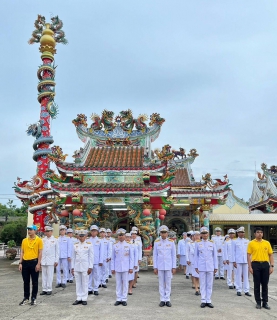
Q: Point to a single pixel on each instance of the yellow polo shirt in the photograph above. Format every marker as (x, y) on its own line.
(260, 250)
(31, 248)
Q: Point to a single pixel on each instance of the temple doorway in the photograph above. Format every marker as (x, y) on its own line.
(177, 225)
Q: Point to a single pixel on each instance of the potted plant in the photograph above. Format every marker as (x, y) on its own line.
(11, 252)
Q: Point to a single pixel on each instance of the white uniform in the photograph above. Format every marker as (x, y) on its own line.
(190, 257)
(98, 258)
(228, 256)
(205, 260)
(50, 256)
(138, 242)
(73, 241)
(65, 247)
(164, 259)
(182, 251)
(109, 270)
(122, 261)
(82, 260)
(219, 240)
(239, 247)
(135, 258)
(107, 254)
(188, 269)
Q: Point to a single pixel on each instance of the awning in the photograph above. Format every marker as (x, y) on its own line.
(253, 219)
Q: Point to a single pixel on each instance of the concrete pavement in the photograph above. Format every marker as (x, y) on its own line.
(143, 304)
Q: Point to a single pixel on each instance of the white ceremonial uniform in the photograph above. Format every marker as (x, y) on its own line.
(65, 253)
(122, 261)
(109, 270)
(73, 241)
(188, 269)
(138, 242)
(239, 247)
(82, 260)
(135, 258)
(164, 259)
(205, 260)
(98, 258)
(182, 251)
(50, 256)
(107, 254)
(228, 256)
(219, 240)
(190, 257)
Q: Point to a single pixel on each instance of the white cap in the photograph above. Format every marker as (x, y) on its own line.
(128, 234)
(94, 227)
(102, 230)
(48, 228)
(121, 230)
(217, 229)
(82, 232)
(204, 230)
(69, 230)
(231, 231)
(192, 233)
(135, 228)
(163, 228)
(196, 232)
(62, 227)
(184, 233)
(133, 232)
(241, 229)
(108, 230)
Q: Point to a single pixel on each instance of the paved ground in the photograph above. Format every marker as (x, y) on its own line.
(143, 304)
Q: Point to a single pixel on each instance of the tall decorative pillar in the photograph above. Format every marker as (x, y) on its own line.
(196, 223)
(47, 34)
(206, 215)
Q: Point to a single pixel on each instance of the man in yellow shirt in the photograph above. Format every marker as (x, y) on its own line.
(29, 264)
(261, 264)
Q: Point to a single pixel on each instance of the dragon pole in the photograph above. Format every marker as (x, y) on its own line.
(46, 35)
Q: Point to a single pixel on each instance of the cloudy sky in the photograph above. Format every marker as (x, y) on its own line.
(208, 67)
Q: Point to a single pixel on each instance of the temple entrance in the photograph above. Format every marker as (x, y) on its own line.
(177, 225)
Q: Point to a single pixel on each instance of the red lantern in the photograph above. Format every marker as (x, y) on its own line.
(161, 217)
(64, 213)
(77, 212)
(146, 212)
(162, 212)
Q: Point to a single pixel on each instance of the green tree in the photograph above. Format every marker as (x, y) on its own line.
(15, 230)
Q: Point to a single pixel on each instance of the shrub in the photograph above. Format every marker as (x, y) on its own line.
(15, 230)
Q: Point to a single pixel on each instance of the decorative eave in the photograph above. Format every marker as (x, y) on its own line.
(179, 193)
(263, 203)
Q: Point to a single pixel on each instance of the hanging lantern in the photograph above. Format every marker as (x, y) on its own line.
(162, 212)
(64, 213)
(77, 213)
(161, 217)
(146, 212)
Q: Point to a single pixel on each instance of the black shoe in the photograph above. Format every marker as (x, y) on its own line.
(216, 278)
(117, 303)
(76, 302)
(162, 304)
(107, 280)
(266, 306)
(110, 276)
(197, 293)
(168, 304)
(104, 286)
(209, 305)
(258, 306)
(124, 303)
(24, 302)
(203, 305)
(33, 302)
(248, 294)
(96, 293)
(43, 293)
(67, 281)
(70, 281)
(90, 292)
(100, 285)
(49, 293)
(84, 303)
(63, 285)
(231, 287)
(187, 277)
(222, 278)
(58, 285)
(239, 294)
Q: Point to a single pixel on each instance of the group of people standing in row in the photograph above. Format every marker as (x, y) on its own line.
(206, 260)
(92, 260)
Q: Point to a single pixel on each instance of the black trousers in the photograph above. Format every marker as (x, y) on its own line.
(29, 270)
(260, 278)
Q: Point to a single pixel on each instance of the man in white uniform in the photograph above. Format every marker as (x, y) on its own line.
(181, 252)
(73, 240)
(49, 260)
(135, 258)
(112, 240)
(164, 260)
(205, 264)
(190, 261)
(219, 240)
(239, 247)
(136, 240)
(228, 259)
(188, 240)
(65, 257)
(94, 277)
(122, 264)
(82, 265)
(107, 254)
